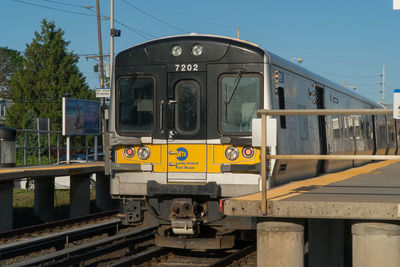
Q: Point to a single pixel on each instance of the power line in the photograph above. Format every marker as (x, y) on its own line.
(159, 20)
(67, 4)
(145, 35)
(53, 8)
(189, 16)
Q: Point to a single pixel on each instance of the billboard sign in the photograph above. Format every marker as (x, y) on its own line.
(81, 117)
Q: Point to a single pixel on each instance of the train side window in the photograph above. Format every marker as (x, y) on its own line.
(345, 127)
(239, 99)
(336, 127)
(281, 96)
(136, 105)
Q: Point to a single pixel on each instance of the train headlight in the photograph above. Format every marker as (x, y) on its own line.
(232, 153)
(197, 49)
(176, 50)
(129, 152)
(248, 152)
(143, 153)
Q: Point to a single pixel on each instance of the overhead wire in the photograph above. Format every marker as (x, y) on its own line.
(53, 8)
(157, 19)
(143, 34)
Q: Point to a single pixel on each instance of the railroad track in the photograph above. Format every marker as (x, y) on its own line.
(93, 252)
(50, 227)
(163, 257)
(102, 242)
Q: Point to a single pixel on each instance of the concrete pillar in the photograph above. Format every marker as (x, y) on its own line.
(376, 244)
(6, 206)
(79, 198)
(280, 244)
(44, 198)
(326, 243)
(103, 197)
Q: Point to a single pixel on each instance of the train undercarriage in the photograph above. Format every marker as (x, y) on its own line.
(188, 216)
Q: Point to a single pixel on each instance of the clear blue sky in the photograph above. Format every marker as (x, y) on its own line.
(342, 40)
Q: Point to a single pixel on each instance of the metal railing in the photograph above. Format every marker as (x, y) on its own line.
(39, 147)
(309, 112)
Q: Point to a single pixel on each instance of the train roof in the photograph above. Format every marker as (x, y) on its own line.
(273, 59)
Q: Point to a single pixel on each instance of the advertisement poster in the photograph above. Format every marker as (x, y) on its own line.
(81, 117)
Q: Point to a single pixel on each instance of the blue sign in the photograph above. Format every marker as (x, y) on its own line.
(182, 153)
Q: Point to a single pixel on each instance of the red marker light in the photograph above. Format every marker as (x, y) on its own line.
(248, 152)
(129, 152)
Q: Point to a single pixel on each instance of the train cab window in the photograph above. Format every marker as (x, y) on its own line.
(239, 100)
(187, 113)
(136, 105)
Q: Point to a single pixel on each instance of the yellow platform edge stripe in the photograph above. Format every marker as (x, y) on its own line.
(39, 168)
(293, 189)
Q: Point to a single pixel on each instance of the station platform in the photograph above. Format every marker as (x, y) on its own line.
(369, 192)
(7, 174)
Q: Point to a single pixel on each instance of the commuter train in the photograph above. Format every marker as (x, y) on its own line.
(180, 132)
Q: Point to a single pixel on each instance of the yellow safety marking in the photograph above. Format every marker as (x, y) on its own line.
(300, 187)
(39, 168)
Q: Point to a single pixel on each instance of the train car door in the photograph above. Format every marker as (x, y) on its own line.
(186, 128)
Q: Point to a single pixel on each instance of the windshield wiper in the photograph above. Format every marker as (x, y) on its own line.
(229, 99)
(235, 85)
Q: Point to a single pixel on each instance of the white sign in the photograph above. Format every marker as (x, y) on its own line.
(396, 4)
(396, 104)
(103, 93)
(271, 130)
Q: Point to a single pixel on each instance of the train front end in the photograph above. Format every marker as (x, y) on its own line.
(180, 135)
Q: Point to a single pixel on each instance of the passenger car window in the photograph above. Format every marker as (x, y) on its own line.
(136, 104)
(239, 101)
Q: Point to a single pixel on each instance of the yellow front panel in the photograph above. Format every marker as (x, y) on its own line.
(157, 157)
(216, 155)
(194, 158)
(187, 158)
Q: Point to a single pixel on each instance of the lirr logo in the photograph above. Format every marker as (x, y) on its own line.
(182, 153)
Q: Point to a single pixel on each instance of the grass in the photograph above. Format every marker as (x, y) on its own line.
(23, 201)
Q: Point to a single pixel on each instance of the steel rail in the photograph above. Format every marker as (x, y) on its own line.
(265, 178)
(33, 244)
(68, 254)
(235, 256)
(50, 225)
(141, 258)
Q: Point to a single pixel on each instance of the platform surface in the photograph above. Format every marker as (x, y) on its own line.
(369, 192)
(7, 174)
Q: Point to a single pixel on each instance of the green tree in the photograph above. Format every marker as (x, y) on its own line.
(10, 61)
(49, 72)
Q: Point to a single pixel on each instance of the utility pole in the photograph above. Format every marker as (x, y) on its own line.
(238, 32)
(100, 45)
(383, 85)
